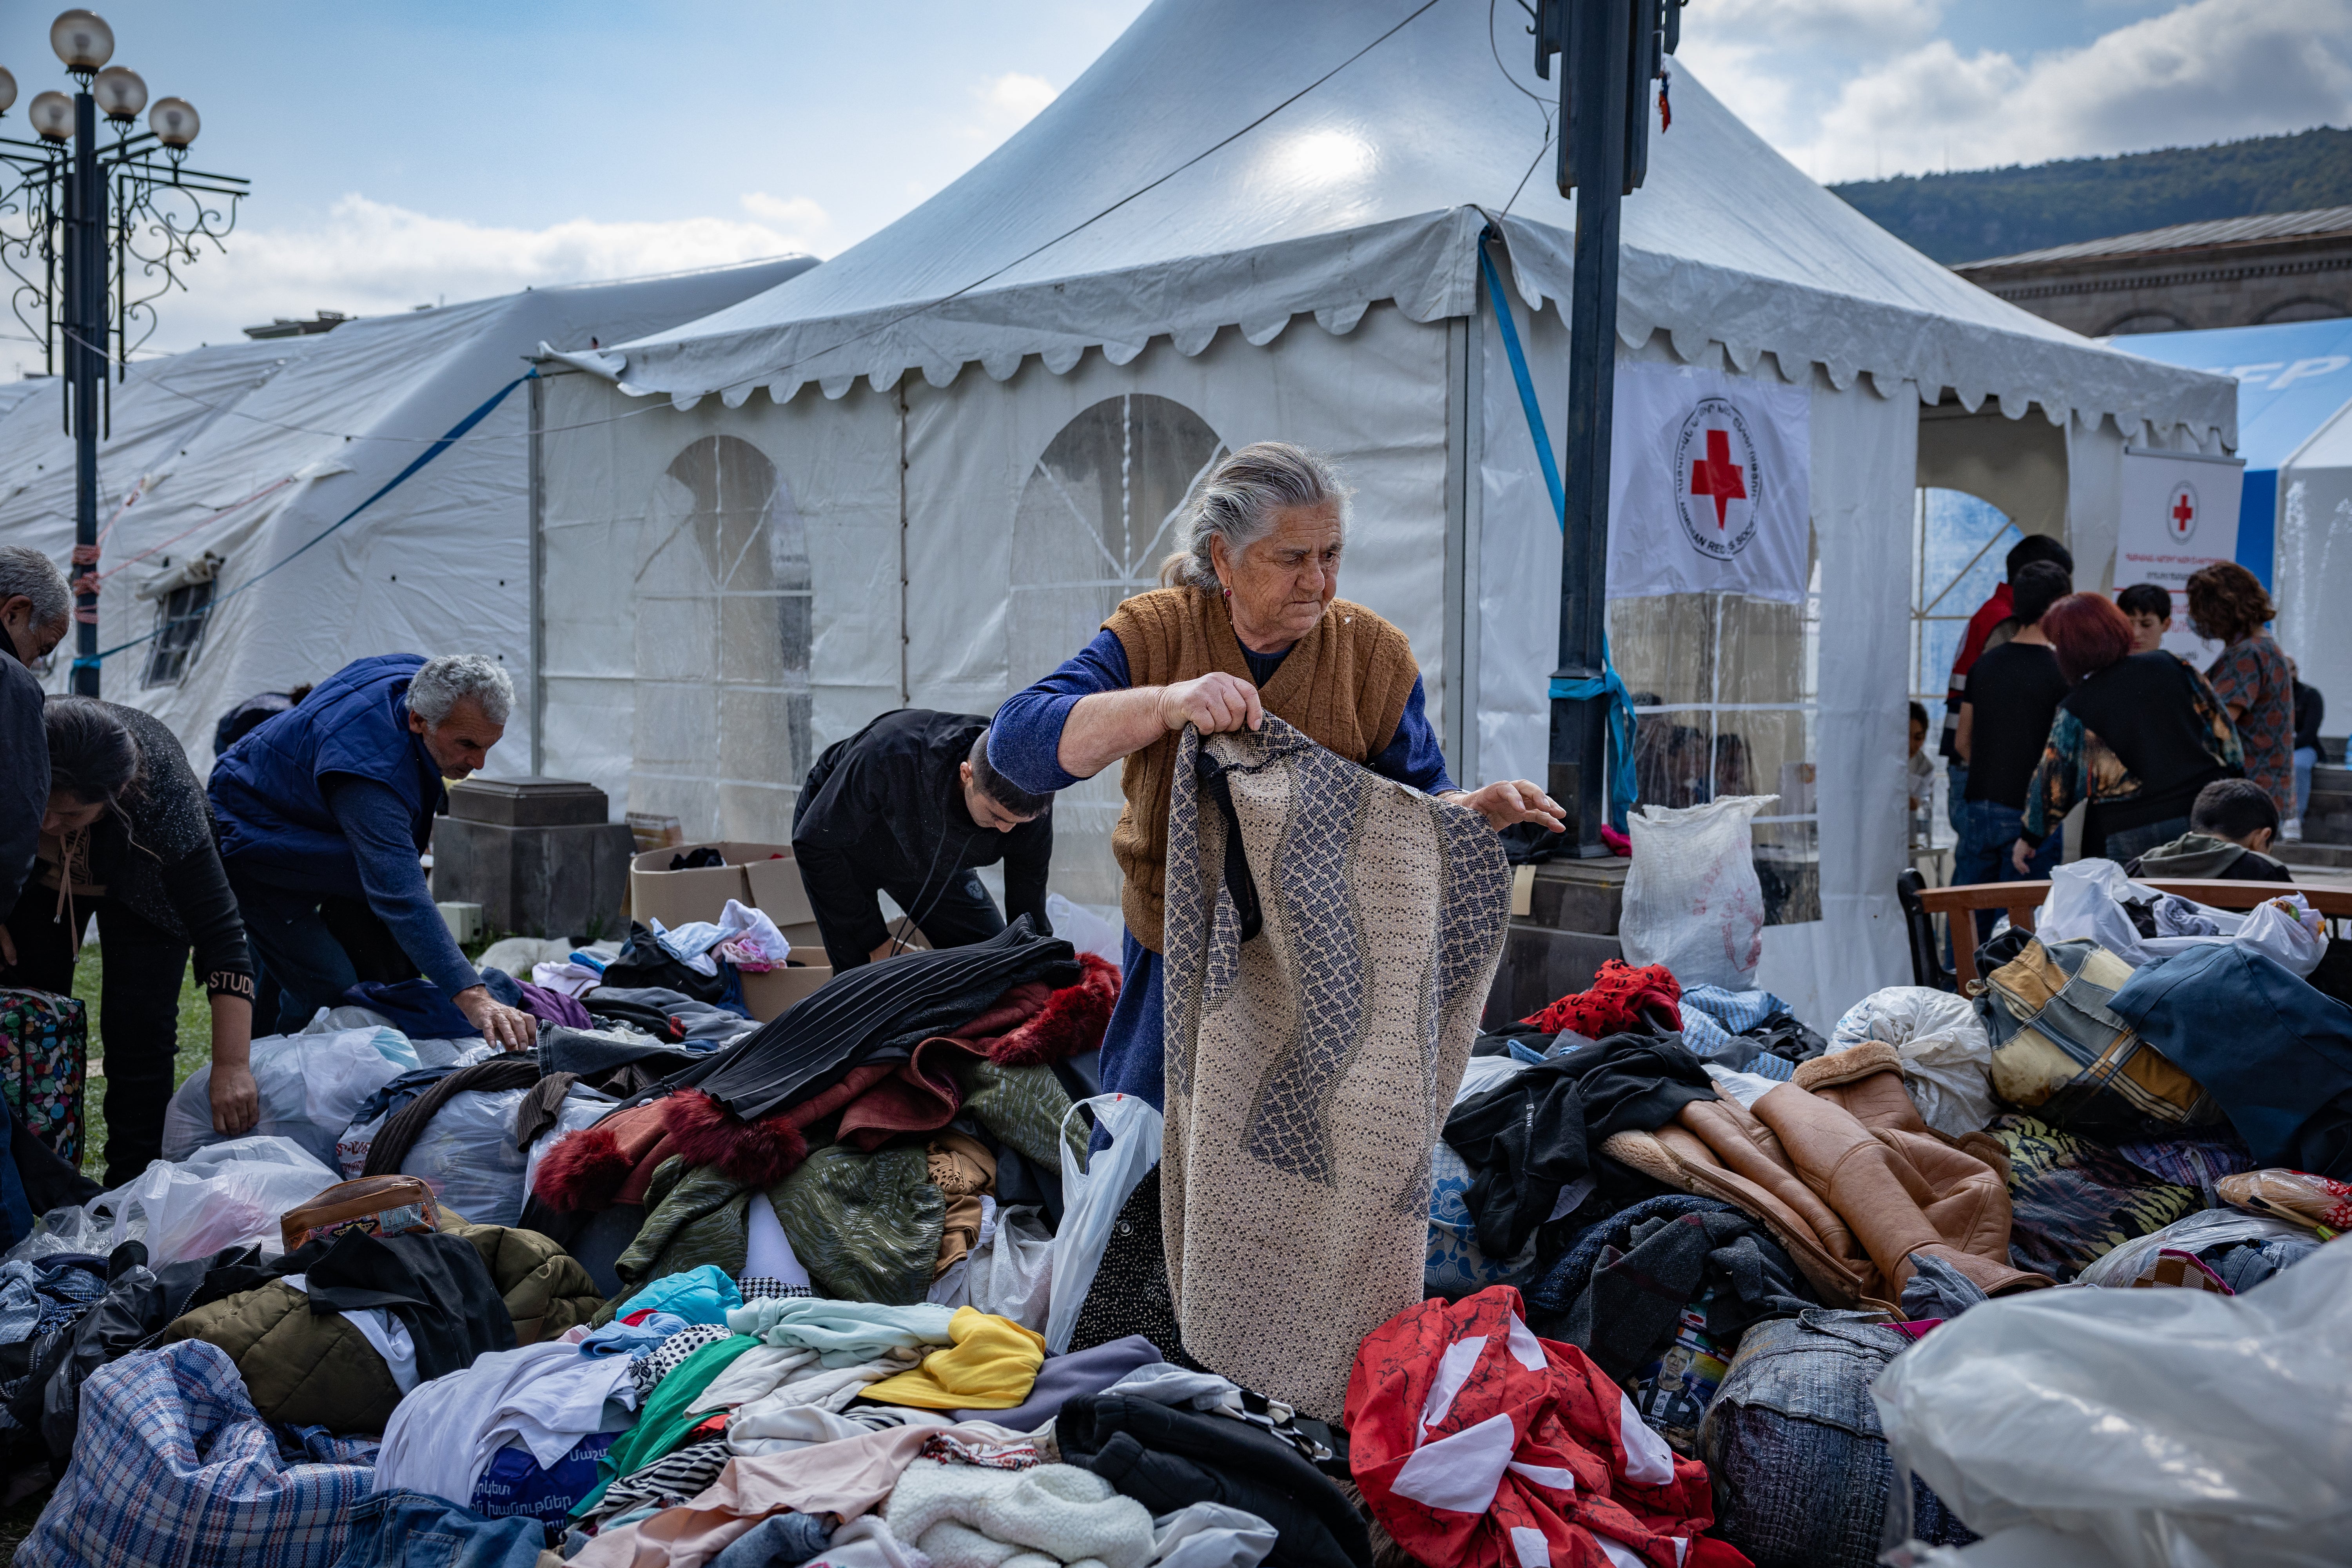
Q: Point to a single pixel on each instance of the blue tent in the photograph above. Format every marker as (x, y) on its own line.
(2293, 378)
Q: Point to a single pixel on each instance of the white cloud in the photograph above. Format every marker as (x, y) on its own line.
(1774, 62)
(2208, 71)
(1006, 103)
(367, 259)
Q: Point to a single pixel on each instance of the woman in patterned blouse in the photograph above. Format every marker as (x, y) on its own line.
(2227, 604)
(2137, 735)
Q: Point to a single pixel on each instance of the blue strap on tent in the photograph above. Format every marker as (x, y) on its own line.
(1622, 784)
(456, 432)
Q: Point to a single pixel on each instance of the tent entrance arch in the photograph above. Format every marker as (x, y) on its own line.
(723, 591)
(1097, 515)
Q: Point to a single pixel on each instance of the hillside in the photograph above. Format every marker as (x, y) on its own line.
(1982, 213)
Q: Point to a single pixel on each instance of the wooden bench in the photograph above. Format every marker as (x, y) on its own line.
(2023, 898)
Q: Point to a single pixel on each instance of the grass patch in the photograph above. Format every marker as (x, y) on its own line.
(195, 1049)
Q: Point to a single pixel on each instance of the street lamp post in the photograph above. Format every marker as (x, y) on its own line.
(93, 235)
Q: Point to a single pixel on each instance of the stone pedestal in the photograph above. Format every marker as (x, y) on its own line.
(538, 854)
(1559, 944)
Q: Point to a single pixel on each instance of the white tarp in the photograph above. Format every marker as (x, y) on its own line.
(251, 450)
(1709, 479)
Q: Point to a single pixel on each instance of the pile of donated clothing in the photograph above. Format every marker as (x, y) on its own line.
(830, 1290)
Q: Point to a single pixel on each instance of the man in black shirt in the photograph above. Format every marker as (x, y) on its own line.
(2014, 692)
(908, 807)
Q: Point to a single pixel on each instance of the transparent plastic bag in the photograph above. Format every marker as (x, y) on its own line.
(582, 1108)
(1692, 899)
(1946, 1055)
(1082, 928)
(467, 1154)
(1093, 1191)
(2087, 898)
(2200, 1232)
(230, 1193)
(1012, 1275)
(2176, 1428)
(309, 1086)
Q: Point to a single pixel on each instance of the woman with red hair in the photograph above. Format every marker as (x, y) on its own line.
(2137, 735)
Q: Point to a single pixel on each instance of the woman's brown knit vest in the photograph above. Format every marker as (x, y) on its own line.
(1344, 685)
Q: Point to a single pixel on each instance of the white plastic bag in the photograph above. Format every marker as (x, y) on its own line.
(1082, 928)
(1946, 1055)
(1093, 1191)
(309, 1086)
(467, 1154)
(1009, 1273)
(582, 1108)
(1013, 1276)
(1692, 900)
(2286, 929)
(2086, 899)
(2178, 1428)
(226, 1194)
(2120, 1265)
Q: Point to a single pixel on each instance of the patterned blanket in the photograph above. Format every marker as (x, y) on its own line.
(1332, 936)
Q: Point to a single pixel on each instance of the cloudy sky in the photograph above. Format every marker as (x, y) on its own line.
(411, 151)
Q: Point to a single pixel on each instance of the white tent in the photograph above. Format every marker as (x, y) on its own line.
(223, 463)
(1116, 296)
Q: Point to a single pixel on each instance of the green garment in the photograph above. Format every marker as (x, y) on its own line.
(665, 1421)
(865, 1227)
(693, 1217)
(1022, 1106)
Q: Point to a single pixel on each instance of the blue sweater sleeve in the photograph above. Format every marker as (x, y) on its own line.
(375, 824)
(1024, 739)
(1412, 757)
(1025, 742)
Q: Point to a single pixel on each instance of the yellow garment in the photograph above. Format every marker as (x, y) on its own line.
(992, 1366)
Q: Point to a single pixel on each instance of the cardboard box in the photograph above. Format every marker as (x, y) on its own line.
(763, 876)
(674, 898)
(777, 892)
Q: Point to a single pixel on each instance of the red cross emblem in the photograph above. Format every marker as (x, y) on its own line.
(1717, 477)
(2180, 512)
(1713, 458)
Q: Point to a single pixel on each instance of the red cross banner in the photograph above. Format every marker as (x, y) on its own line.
(1709, 485)
(2179, 511)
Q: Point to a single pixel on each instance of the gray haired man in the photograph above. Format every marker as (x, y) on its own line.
(36, 609)
(323, 813)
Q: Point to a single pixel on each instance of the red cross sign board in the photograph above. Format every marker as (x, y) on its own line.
(1709, 484)
(2179, 511)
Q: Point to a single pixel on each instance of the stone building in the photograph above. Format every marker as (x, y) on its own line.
(2230, 272)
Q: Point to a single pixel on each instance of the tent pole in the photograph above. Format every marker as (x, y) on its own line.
(1593, 153)
(1611, 49)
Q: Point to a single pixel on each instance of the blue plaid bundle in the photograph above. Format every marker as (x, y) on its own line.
(173, 1466)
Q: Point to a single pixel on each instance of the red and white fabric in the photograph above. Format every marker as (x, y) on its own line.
(1477, 1443)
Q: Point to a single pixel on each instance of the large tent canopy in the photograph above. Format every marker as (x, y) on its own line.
(227, 469)
(921, 473)
(1230, 164)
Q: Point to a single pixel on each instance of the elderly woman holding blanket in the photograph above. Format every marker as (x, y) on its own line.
(1248, 626)
(1276, 752)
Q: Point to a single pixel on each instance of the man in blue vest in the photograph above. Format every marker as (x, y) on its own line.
(323, 813)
